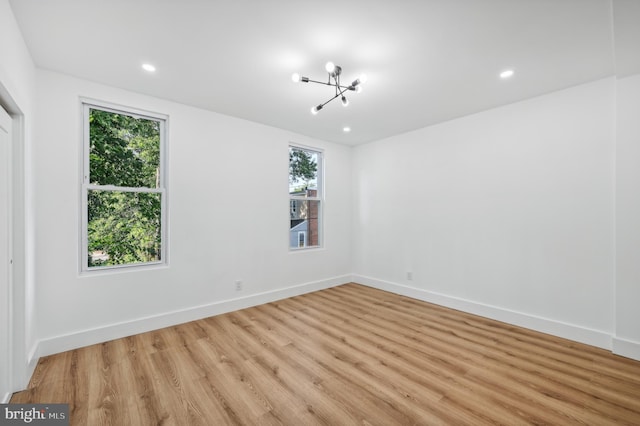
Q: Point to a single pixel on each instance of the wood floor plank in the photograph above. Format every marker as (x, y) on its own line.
(435, 366)
(319, 386)
(331, 379)
(345, 355)
(531, 368)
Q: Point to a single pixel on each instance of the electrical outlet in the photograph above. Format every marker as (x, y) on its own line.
(238, 285)
(409, 276)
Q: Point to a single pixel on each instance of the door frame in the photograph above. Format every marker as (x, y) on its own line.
(6, 126)
(20, 291)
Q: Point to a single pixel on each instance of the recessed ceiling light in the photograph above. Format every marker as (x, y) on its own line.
(148, 68)
(506, 74)
(346, 129)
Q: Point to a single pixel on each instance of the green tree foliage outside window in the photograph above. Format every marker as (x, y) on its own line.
(303, 169)
(123, 198)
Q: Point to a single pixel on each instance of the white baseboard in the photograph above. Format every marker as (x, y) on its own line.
(114, 331)
(92, 336)
(27, 372)
(568, 331)
(32, 363)
(626, 348)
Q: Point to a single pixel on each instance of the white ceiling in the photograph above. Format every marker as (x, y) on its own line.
(427, 61)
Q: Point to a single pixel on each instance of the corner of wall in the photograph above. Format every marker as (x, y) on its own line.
(626, 348)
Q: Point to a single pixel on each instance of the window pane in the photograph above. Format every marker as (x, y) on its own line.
(303, 172)
(123, 150)
(123, 228)
(305, 215)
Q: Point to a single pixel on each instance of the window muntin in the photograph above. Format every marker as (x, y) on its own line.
(124, 195)
(305, 197)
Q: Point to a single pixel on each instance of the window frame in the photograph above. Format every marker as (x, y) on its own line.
(318, 198)
(86, 105)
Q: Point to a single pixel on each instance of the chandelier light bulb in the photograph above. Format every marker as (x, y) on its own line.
(345, 101)
(295, 77)
(363, 78)
(148, 67)
(358, 88)
(330, 67)
(506, 74)
(315, 109)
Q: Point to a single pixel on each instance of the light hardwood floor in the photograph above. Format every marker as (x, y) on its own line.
(342, 356)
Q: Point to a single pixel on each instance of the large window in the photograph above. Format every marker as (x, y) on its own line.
(305, 197)
(123, 188)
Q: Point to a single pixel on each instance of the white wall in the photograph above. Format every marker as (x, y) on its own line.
(626, 15)
(628, 217)
(16, 67)
(508, 213)
(17, 96)
(228, 206)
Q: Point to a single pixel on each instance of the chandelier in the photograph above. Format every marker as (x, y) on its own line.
(334, 81)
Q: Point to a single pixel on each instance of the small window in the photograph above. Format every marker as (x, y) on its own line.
(305, 197)
(123, 188)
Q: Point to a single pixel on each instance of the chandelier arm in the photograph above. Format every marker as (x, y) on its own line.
(329, 100)
(328, 84)
(338, 94)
